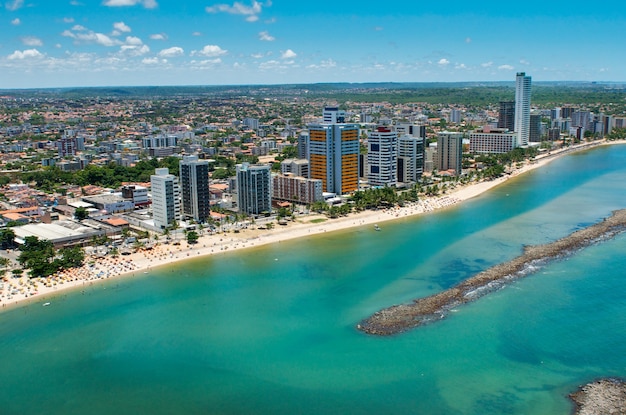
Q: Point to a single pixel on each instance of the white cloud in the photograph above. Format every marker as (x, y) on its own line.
(90, 37)
(460, 66)
(158, 36)
(79, 28)
(196, 34)
(135, 50)
(505, 68)
(487, 64)
(31, 41)
(288, 54)
(443, 62)
(28, 53)
(68, 20)
(14, 5)
(524, 62)
(324, 65)
(16, 22)
(133, 40)
(210, 51)
(265, 36)
(150, 61)
(468, 40)
(122, 27)
(251, 12)
(148, 4)
(172, 52)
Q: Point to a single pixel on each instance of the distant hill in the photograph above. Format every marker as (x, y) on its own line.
(465, 93)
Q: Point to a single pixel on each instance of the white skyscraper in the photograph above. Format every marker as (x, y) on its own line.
(382, 157)
(165, 198)
(522, 108)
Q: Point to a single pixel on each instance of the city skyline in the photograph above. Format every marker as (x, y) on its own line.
(159, 42)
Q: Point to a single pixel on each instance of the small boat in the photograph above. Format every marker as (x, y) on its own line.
(376, 227)
(46, 304)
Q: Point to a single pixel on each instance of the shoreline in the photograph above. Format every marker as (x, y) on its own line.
(24, 291)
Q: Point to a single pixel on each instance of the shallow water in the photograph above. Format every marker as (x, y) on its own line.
(271, 330)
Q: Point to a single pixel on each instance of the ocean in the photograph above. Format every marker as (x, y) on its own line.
(271, 330)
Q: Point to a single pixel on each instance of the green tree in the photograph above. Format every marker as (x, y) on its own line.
(7, 238)
(81, 213)
(192, 237)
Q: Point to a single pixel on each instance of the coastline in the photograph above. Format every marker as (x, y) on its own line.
(24, 291)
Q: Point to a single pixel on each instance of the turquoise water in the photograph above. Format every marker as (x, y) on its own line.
(271, 330)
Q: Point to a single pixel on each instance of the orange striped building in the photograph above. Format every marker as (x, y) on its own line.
(333, 152)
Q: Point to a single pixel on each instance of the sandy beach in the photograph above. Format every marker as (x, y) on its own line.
(24, 290)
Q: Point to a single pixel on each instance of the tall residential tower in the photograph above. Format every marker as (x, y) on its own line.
(165, 198)
(333, 153)
(194, 180)
(522, 108)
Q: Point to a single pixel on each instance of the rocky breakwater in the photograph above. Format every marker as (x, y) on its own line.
(605, 396)
(399, 318)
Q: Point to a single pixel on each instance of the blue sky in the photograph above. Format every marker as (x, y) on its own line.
(60, 43)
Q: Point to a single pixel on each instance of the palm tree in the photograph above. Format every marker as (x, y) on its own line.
(4, 264)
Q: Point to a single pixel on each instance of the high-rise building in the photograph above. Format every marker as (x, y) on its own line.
(165, 198)
(254, 188)
(411, 155)
(506, 116)
(382, 154)
(455, 116)
(194, 183)
(534, 134)
(449, 151)
(333, 153)
(303, 140)
(522, 108)
(566, 112)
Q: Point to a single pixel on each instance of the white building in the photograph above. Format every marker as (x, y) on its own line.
(489, 140)
(522, 108)
(411, 155)
(165, 198)
(382, 154)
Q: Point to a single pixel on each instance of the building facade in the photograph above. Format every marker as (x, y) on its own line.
(411, 156)
(297, 167)
(506, 116)
(382, 155)
(333, 154)
(291, 188)
(194, 183)
(522, 108)
(254, 188)
(449, 151)
(165, 198)
(488, 140)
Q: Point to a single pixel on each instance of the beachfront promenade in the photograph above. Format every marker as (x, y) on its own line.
(15, 291)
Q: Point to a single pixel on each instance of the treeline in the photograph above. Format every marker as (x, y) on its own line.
(111, 175)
